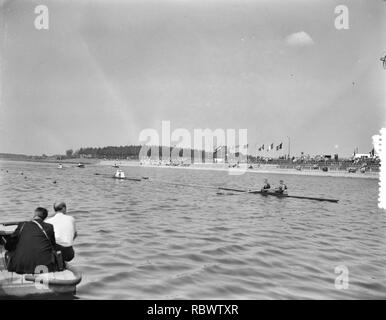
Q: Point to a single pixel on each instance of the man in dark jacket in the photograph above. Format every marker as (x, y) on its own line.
(31, 246)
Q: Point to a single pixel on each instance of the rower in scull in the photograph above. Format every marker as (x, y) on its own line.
(266, 186)
(282, 188)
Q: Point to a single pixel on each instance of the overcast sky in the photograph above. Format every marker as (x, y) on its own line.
(105, 70)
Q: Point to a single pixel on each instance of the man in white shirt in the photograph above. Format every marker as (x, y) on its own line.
(65, 230)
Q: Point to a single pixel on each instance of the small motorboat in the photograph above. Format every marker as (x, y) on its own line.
(80, 165)
(60, 166)
(29, 285)
(13, 285)
(115, 166)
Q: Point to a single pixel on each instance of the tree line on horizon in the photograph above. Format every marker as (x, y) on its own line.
(123, 152)
(119, 152)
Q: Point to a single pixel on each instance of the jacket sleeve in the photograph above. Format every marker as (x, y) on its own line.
(51, 234)
(13, 239)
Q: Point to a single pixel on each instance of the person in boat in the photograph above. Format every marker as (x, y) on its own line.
(65, 231)
(119, 174)
(266, 186)
(31, 246)
(282, 188)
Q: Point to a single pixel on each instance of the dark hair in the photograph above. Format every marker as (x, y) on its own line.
(40, 212)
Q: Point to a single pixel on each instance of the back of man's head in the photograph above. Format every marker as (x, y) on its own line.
(41, 213)
(60, 207)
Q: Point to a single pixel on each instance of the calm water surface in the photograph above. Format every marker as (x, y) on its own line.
(153, 240)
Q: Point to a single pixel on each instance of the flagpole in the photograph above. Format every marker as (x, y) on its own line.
(289, 147)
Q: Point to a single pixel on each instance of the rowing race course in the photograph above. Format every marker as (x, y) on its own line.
(164, 236)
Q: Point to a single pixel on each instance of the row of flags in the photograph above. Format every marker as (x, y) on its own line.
(372, 152)
(271, 147)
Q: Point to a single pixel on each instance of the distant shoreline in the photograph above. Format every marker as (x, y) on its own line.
(262, 170)
(208, 166)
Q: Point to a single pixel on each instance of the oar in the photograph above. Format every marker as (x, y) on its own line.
(313, 198)
(133, 179)
(232, 189)
(185, 184)
(240, 191)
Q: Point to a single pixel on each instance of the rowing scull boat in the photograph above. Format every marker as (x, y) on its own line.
(280, 195)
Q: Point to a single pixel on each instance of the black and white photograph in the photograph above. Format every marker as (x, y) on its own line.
(192, 150)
